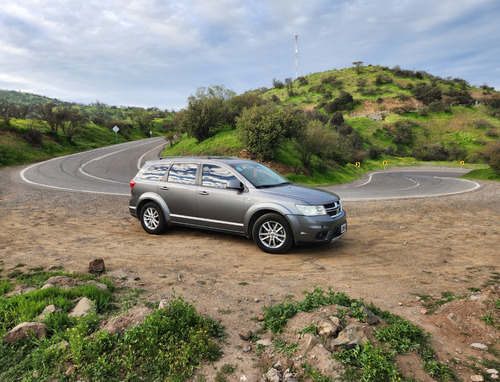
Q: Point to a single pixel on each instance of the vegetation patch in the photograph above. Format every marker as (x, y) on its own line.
(169, 345)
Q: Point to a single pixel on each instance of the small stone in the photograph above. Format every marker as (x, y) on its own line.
(264, 342)
(494, 376)
(260, 318)
(492, 371)
(247, 349)
(70, 371)
(163, 304)
(477, 378)
(478, 346)
(423, 311)
(458, 351)
(452, 318)
(48, 285)
(246, 335)
(97, 266)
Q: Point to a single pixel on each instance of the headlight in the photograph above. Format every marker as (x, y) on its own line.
(311, 210)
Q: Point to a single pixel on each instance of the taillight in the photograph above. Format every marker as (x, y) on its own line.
(132, 184)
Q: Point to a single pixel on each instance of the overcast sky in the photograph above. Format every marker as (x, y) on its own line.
(158, 52)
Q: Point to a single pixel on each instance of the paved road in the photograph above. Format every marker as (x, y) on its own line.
(110, 169)
(107, 170)
(406, 183)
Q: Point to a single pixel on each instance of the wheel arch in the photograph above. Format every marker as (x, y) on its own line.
(152, 197)
(255, 213)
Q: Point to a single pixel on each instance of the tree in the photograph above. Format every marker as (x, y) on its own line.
(263, 128)
(142, 118)
(207, 112)
(312, 141)
(358, 65)
(73, 123)
(427, 94)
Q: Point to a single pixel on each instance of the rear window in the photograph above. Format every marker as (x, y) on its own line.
(184, 173)
(155, 172)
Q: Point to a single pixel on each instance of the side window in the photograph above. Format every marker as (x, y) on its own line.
(184, 173)
(215, 176)
(155, 172)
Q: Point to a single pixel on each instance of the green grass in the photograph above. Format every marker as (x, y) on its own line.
(482, 174)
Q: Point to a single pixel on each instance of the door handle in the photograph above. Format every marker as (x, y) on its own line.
(164, 188)
(202, 193)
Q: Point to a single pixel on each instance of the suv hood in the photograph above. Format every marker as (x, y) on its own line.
(301, 193)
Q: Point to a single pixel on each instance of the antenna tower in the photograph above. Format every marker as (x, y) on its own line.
(296, 55)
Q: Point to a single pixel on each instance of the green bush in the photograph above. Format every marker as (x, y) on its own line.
(263, 128)
(492, 156)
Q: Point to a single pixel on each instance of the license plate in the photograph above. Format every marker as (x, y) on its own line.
(343, 228)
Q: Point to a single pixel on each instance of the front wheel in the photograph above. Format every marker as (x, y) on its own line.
(152, 219)
(272, 233)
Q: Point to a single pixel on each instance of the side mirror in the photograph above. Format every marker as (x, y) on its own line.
(235, 184)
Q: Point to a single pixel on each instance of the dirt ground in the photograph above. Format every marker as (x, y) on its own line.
(392, 252)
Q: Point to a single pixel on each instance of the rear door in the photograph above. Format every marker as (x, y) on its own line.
(219, 207)
(179, 192)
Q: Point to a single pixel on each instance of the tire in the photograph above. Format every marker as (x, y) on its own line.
(272, 233)
(152, 219)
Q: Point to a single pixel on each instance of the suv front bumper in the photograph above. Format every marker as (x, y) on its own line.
(318, 229)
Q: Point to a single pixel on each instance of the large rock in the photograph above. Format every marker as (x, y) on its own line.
(24, 330)
(348, 338)
(83, 308)
(133, 317)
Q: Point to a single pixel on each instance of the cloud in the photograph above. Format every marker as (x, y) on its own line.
(158, 52)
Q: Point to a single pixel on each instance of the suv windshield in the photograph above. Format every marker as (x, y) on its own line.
(260, 175)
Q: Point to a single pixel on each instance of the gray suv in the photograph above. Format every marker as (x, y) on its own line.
(237, 196)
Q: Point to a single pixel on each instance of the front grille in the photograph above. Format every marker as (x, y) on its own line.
(334, 209)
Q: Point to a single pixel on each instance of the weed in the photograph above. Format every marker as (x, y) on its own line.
(243, 283)
(312, 329)
(281, 346)
(311, 372)
(374, 363)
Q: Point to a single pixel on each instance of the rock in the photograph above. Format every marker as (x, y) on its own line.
(327, 328)
(494, 376)
(348, 338)
(61, 346)
(48, 286)
(311, 342)
(273, 375)
(47, 312)
(452, 318)
(371, 319)
(492, 371)
(261, 318)
(264, 342)
(97, 266)
(477, 378)
(246, 335)
(163, 304)
(478, 346)
(70, 371)
(97, 284)
(83, 308)
(133, 317)
(247, 349)
(24, 330)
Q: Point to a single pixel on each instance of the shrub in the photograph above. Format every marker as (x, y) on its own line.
(427, 94)
(263, 128)
(492, 156)
(34, 137)
(344, 101)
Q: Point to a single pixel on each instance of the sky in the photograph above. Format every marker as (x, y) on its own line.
(156, 53)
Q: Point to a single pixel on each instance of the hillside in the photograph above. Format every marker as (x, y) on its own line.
(329, 121)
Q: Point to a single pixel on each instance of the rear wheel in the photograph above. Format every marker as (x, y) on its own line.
(152, 219)
(272, 233)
